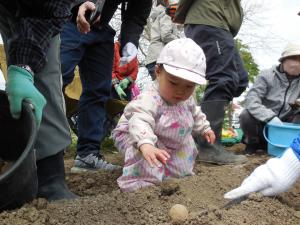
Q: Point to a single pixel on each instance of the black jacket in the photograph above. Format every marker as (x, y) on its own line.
(134, 17)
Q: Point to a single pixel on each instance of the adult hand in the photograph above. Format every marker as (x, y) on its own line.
(82, 23)
(154, 156)
(124, 83)
(129, 52)
(120, 92)
(210, 136)
(272, 178)
(20, 87)
(275, 120)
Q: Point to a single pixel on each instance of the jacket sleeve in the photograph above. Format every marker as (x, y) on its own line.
(254, 99)
(134, 18)
(166, 28)
(201, 124)
(140, 114)
(182, 10)
(33, 34)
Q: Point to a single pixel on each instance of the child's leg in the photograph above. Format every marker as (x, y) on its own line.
(121, 138)
(137, 172)
(182, 161)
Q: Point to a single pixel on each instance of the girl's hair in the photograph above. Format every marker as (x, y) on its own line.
(161, 66)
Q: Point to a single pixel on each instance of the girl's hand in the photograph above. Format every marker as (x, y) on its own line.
(210, 136)
(153, 155)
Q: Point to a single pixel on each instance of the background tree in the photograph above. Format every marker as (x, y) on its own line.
(249, 63)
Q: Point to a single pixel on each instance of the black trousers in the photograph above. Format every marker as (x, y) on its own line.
(225, 71)
(252, 129)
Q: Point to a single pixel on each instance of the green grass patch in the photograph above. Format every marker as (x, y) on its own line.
(107, 146)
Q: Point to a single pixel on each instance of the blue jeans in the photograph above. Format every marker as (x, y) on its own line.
(93, 53)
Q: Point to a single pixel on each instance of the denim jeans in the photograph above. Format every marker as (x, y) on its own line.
(93, 53)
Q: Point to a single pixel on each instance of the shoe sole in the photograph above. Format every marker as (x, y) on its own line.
(83, 170)
(90, 170)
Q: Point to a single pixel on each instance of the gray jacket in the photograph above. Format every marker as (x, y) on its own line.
(271, 94)
(163, 30)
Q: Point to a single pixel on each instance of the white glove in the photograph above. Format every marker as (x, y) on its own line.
(275, 120)
(129, 52)
(272, 178)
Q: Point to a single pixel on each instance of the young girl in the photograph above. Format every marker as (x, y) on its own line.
(155, 130)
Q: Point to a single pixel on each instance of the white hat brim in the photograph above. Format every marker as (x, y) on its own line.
(185, 74)
(291, 53)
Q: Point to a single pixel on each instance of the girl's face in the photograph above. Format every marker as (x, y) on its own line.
(291, 65)
(173, 89)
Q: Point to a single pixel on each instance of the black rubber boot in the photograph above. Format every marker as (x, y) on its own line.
(216, 154)
(251, 149)
(51, 178)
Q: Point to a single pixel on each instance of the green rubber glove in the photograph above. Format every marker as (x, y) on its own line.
(20, 87)
(124, 83)
(120, 92)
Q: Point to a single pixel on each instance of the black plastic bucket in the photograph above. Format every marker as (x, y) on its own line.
(18, 183)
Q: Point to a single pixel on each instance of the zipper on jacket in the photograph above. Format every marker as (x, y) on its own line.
(284, 100)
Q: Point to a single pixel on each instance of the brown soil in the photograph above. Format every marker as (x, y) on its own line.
(101, 201)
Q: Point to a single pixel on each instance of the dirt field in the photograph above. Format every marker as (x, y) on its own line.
(101, 201)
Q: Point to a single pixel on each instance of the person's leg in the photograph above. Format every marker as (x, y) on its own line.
(95, 71)
(243, 74)
(71, 51)
(223, 66)
(252, 132)
(224, 81)
(181, 162)
(137, 173)
(53, 129)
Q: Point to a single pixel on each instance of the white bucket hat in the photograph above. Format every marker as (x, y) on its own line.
(290, 50)
(185, 59)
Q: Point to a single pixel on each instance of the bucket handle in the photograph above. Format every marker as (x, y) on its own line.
(268, 140)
